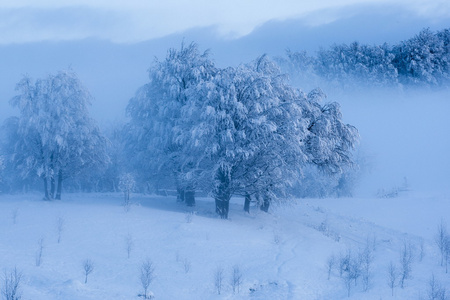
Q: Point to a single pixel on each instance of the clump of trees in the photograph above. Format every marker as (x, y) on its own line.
(193, 127)
(421, 60)
(233, 131)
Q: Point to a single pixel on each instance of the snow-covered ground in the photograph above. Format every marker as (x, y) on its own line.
(281, 255)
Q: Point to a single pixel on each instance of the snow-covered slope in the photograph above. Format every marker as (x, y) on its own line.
(281, 255)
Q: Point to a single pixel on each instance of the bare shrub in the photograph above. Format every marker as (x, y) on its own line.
(435, 290)
(129, 244)
(446, 252)
(344, 262)
(218, 279)
(236, 279)
(366, 258)
(189, 216)
(14, 215)
(276, 238)
(11, 285)
(38, 258)
(331, 261)
(147, 276)
(187, 265)
(59, 228)
(421, 250)
(88, 267)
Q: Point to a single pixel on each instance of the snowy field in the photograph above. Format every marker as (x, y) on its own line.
(281, 255)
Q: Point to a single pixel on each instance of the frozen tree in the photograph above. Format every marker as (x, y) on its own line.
(56, 138)
(255, 133)
(88, 267)
(147, 276)
(233, 131)
(421, 59)
(357, 63)
(11, 285)
(155, 118)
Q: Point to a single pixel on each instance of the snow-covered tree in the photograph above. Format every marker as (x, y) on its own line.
(251, 133)
(233, 131)
(357, 63)
(422, 58)
(56, 138)
(155, 117)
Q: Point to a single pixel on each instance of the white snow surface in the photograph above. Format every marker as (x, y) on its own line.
(281, 254)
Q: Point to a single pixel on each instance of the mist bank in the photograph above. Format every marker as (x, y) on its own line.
(404, 138)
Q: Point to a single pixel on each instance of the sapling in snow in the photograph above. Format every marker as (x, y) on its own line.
(435, 290)
(366, 258)
(187, 265)
(218, 279)
(441, 240)
(127, 185)
(59, 228)
(129, 244)
(330, 264)
(39, 252)
(88, 267)
(146, 277)
(406, 260)
(236, 279)
(14, 214)
(392, 276)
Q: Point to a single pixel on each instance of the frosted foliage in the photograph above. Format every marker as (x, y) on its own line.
(56, 136)
(156, 110)
(423, 59)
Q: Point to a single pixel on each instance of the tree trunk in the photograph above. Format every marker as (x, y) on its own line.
(52, 187)
(189, 197)
(266, 203)
(180, 194)
(46, 196)
(247, 203)
(222, 207)
(58, 191)
(222, 193)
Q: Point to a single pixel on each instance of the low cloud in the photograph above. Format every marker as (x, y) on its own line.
(25, 21)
